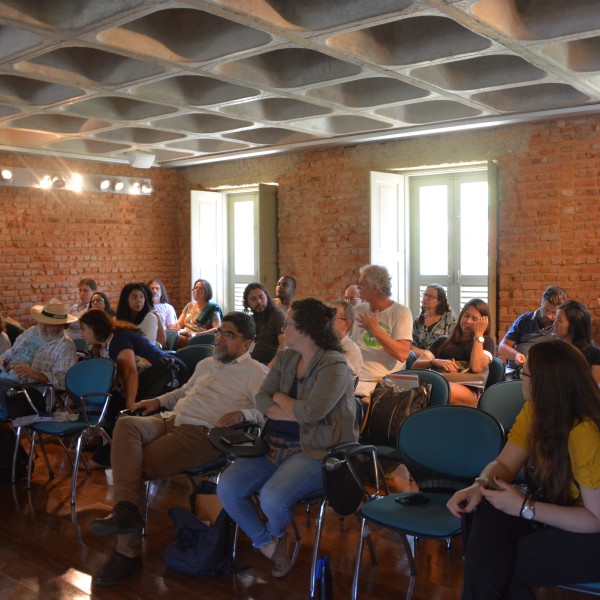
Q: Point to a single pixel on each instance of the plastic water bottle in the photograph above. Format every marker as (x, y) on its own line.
(324, 582)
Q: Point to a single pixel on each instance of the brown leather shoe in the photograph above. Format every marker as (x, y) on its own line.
(117, 569)
(124, 518)
(281, 558)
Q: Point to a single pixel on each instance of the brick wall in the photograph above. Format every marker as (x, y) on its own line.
(549, 188)
(50, 239)
(548, 225)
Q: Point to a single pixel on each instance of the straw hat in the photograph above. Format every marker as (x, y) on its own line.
(55, 312)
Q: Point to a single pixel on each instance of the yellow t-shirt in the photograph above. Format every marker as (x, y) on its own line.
(584, 449)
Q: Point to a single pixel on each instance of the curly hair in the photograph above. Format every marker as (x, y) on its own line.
(378, 278)
(257, 286)
(316, 319)
(443, 307)
(563, 394)
(123, 310)
(555, 295)
(102, 325)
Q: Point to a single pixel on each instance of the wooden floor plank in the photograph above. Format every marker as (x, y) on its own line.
(49, 551)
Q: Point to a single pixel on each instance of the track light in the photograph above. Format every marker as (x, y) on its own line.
(57, 182)
(146, 188)
(106, 184)
(6, 176)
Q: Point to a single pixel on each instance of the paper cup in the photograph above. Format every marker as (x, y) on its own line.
(109, 476)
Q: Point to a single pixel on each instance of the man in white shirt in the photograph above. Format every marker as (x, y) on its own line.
(160, 300)
(382, 330)
(220, 393)
(343, 323)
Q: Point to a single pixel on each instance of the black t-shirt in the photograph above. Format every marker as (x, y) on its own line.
(460, 351)
(127, 339)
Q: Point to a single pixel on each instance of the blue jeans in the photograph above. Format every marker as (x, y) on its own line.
(279, 487)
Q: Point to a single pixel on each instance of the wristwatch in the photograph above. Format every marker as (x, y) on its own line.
(528, 509)
(480, 339)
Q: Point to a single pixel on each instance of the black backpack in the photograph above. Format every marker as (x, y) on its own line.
(156, 380)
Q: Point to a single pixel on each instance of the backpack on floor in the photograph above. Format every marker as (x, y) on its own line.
(201, 547)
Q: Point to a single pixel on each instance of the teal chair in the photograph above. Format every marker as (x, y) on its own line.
(591, 589)
(202, 338)
(192, 355)
(172, 336)
(88, 385)
(504, 401)
(496, 373)
(444, 449)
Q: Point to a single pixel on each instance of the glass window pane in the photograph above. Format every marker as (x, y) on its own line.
(243, 231)
(474, 228)
(433, 229)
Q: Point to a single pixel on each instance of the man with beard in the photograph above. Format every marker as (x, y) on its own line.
(284, 292)
(268, 320)
(43, 353)
(220, 393)
(160, 300)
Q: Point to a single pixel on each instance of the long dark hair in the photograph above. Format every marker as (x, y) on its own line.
(123, 310)
(580, 323)
(102, 325)
(258, 286)
(457, 334)
(164, 297)
(107, 307)
(563, 394)
(443, 307)
(316, 319)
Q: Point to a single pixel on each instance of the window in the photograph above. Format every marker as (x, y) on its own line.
(437, 228)
(234, 241)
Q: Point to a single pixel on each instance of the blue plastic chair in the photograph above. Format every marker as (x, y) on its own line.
(444, 449)
(192, 355)
(496, 373)
(88, 385)
(504, 401)
(202, 338)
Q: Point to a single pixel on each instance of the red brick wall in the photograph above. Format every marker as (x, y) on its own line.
(50, 239)
(548, 199)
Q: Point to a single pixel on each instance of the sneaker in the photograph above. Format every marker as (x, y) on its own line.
(117, 569)
(124, 518)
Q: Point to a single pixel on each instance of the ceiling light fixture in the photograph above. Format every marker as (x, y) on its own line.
(146, 188)
(6, 176)
(57, 182)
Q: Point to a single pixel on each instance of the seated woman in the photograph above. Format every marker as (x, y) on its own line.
(135, 306)
(199, 316)
(122, 342)
(468, 347)
(436, 319)
(100, 300)
(308, 398)
(549, 535)
(574, 325)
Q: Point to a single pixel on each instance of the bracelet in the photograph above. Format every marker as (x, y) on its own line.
(527, 496)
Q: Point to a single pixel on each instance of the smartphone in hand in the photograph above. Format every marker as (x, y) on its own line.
(488, 484)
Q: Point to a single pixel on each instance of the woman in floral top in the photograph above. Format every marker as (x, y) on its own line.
(436, 319)
(199, 316)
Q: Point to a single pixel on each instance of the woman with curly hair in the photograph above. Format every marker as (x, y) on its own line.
(308, 400)
(549, 535)
(436, 319)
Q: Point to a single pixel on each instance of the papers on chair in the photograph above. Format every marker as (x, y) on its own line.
(403, 382)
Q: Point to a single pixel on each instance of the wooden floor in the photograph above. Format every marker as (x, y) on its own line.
(48, 551)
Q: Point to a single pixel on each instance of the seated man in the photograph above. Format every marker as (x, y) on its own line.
(220, 393)
(531, 327)
(343, 324)
(284, 292)
(352, 294)
(160, 300)
(382, 330)
(268, 320)
(87, 287)
(42, 353)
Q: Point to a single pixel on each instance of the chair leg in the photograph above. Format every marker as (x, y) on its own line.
(76, 470)
(359, 551)
(13, 477)
(30, 465)
(369, 540)
(145, 506)
(315, 552)
(409, 548)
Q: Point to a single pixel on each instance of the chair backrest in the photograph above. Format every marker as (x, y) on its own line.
(503, 400)
(202, 338)
(440, 388)
(80, 345)
(192, 355)
(411, 359)
(496, 373)
(445, 447)
(172, 337)
(92, 380)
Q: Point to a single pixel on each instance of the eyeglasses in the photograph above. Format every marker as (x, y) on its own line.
(228, 335)
(286, 324)
(97, 301)
(198, 289)
(350, 298)
(429, 296)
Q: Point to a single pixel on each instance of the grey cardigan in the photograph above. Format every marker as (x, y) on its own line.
(325, 407)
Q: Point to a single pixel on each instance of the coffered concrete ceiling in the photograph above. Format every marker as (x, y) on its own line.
(194, 81)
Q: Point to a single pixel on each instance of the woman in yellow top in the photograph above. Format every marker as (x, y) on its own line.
(549, 535)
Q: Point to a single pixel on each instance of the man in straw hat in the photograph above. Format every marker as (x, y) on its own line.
(43, 353)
